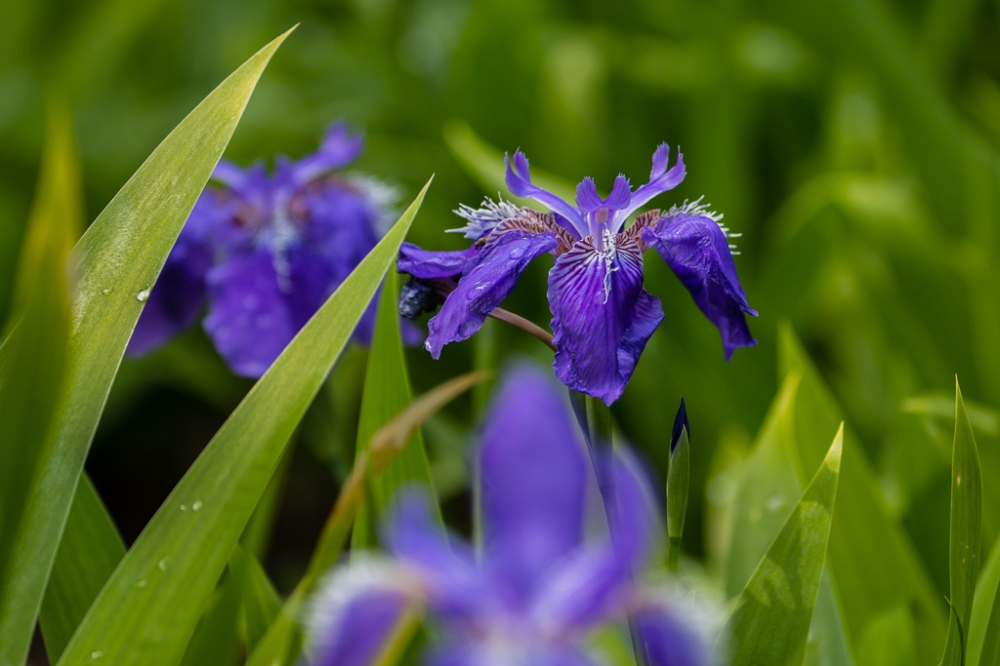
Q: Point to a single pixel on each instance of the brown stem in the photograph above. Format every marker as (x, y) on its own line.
(528, 327)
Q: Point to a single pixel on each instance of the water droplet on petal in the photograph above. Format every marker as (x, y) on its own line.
(143, 295)
(162, 565)
(197, 505)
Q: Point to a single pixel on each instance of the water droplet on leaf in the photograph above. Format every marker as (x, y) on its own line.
(197, 505)
(162, 565)
(143, 295)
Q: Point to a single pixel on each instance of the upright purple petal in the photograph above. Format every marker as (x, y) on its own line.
(670, 639)
(178, 296)
(339, 147)
(534, 480)
(487, 279)
(621, 194)
(249, 319)
(587, 198)
(697, 250)
(636, 521)
(427, 264)
(660, 179)
(354, 614)
(600, 312)
(519, 183)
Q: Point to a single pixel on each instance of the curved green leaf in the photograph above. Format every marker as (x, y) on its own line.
(115, 263)
(33, 374)
(770, 624)
(148, 611)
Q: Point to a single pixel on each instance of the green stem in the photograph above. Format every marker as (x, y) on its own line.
(600, 439)
(673, 553)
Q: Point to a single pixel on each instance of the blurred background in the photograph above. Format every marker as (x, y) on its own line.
(852, 142)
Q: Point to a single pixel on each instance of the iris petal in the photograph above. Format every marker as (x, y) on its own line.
(486, 281)
(697, 250)
(519, 183)
(426, 264)
(533, 472)
(600, 312)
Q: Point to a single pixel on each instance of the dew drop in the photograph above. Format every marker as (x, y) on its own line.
(141, 583)
(143, 295)
(96, 654)
(197, 505)
(106, 291)
(184, 507)
(958, 480)
(162, 566)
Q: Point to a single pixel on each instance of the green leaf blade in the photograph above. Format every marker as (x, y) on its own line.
(119, 256)
(90, 550)
(149, 609)
(386, 394)
(32, 374)
(770, 624)
(965, 542)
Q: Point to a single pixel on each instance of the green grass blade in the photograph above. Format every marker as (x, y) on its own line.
(770, 624)
(34, 372)
(965, 543)
(90, 550)
(148, 610)
(484, 164)
(386, 394)
(118, 258)
(216, 640)
(868, 581)
(261, 603)
(984, 625)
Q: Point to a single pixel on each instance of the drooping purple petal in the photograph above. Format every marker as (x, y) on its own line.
(426, 264)
(660, 179)
(486, 281)
(249, 318)
(670, 639)
(587, 588)
(697, 250)
(179, 293)
(599, 313)
(453, 584)
(355, 612)
(533, 473)
(519, 183)
(339, 147)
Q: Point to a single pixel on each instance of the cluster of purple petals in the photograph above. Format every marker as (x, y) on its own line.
(602, 317)
(263, 251)
(540, 586)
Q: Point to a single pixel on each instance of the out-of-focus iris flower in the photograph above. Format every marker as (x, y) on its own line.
(601, 315)
(539, 588)
(265, 250)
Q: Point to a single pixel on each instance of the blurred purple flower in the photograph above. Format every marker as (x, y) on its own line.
(265, 251)
(539, 587)
(601, 315)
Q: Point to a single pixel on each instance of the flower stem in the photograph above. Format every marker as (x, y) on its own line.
(528, 327)
(601, 443)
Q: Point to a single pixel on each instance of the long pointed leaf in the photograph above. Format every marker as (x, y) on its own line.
(90, 550)
(386, 393)
(116, 261)
(148, 610)
(771, 621)
(34, 372)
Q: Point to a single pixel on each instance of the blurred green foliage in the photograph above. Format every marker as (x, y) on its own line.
(853, 142)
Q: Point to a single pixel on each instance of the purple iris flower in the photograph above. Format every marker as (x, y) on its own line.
(602, 316)
(540, 586)
(265, 251)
